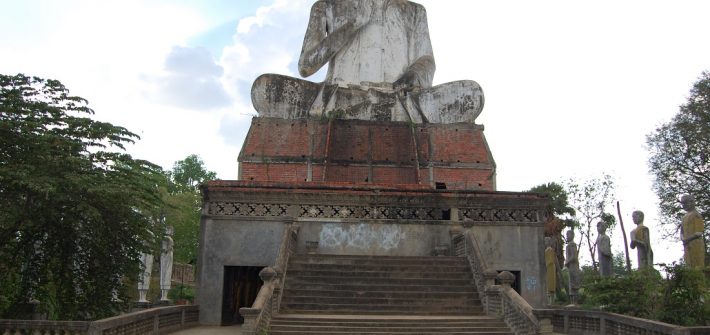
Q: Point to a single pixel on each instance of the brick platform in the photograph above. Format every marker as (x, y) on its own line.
(454, 156)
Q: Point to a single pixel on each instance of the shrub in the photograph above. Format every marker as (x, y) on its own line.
(635, 294)
(685, 298)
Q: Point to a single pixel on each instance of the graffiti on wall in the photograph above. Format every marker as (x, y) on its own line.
(361, 236)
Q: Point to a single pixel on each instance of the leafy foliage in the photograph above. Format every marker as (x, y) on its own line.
(558, 197)
(685, 298)
(681, 298)
(591, 200)
(182, 210)
(188, 174)
(680, 156)
(636, 294)
(74, 204)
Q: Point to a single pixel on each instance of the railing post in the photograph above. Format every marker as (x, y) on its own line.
(250, 315)
(602, 325)
(544, 317)
(490, 276)
(156, 322)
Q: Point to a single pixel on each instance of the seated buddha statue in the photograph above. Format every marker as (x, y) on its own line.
(380, 67)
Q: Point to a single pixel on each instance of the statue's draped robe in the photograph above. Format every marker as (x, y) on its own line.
(644, 252)
(605, 257)
(551, 277)
(395, 37)
(575, 273)
(166, 264)
(695, 250)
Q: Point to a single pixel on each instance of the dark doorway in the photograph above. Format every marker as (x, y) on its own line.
(241, 285)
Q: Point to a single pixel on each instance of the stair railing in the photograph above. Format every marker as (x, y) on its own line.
(501, 300)
(258, 317)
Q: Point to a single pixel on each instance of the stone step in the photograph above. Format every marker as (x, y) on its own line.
(395, 324)
(366, 258)
(367, 301)
(382, 274)
(397, 329)
(286, 332)
(382, 322)
(468, 294)
(295, 284)
(380, 263)
(442, 268)
(377, 281)
(356, 308)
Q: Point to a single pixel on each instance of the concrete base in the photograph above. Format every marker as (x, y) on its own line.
(243, 222)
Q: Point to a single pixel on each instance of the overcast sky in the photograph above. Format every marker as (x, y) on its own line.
(572, 87)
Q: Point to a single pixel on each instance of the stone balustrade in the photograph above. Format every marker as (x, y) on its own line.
(160, 320)
(586, 322)
(502, 299)
(43, 327)
(258, 316)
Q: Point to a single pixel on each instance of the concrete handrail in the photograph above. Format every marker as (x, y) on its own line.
(159, 320)
(43, 326)
(500, 299)
(258, 316)
(600, 322)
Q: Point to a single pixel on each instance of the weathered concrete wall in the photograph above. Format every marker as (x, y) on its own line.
(243, 223)
(516, 248)
(233, 242)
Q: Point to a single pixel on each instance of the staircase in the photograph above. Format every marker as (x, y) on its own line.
(334, 294)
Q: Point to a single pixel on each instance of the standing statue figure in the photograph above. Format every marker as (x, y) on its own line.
(641, 241)
(144, 280)
(606, 259)
(166, 264)
(691, 233)
(551, 266)
(572, 265)
(380, 67)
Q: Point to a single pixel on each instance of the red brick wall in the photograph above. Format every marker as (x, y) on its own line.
(367, 152)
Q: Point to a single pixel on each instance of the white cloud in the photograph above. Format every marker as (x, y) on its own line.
(268, 42)
(191, 79)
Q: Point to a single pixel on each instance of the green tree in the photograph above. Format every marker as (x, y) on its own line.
(559, 203)
(591, 200)
(183, 203)
(188, 174)
(75, 206)
(680, 156)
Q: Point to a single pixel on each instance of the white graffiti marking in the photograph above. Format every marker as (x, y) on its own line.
(361, 236)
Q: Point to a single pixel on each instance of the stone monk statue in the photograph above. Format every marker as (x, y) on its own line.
(641, 241)
(604, 251)
(380, 67)
(572, 265)
(691, 233)
(166, 264)
(551, 266)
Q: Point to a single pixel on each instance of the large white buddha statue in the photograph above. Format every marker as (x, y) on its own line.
(380, 67)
